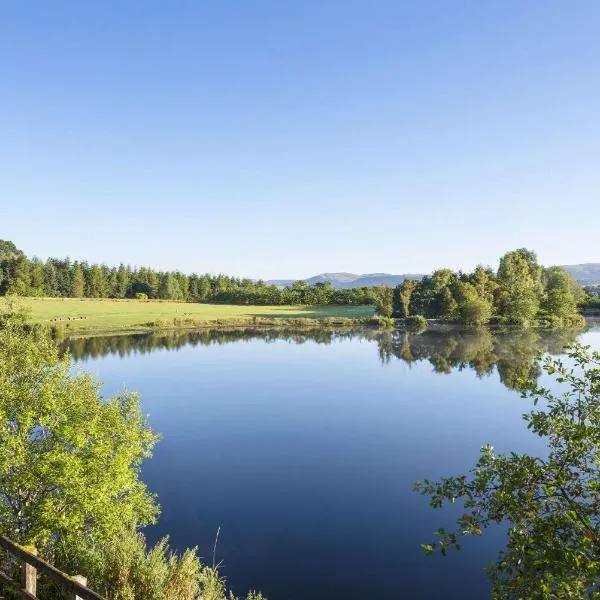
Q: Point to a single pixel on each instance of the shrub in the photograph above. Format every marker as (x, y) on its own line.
(475, 311)
(385, 322)
(416, 323)
(141, 296)
(124, 568)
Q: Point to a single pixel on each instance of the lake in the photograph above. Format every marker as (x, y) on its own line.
(304, 448)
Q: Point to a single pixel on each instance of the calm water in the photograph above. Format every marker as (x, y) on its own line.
(304, 450)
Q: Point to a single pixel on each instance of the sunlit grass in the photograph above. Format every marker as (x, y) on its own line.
(95, 314)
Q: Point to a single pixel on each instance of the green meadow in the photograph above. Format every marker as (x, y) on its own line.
(80, 315)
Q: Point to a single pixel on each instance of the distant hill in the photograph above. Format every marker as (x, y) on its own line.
(585, 274)
(350, 280)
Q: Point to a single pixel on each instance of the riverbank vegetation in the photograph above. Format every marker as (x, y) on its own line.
(63, 278)
(69, 315)
(521, 292)
(551, 503)
(70, 481)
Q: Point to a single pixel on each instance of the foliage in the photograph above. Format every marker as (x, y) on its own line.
(383, 299)
(69, 477)
(552, 503)
(62, 278)
(518, 293)
(416, 323)
(402, 297)
(124, 568)
(379, 322)
(472, 308)
(8, 249)
(521, 292)
(562, 294)
(141, 296)
(69, 459)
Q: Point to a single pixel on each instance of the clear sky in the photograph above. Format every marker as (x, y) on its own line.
(286, 138)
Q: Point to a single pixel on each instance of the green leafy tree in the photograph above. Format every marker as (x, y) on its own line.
(97, 283)
(20, 280)
(442, 302)
(471, 308)
(51, 280)
(485, 283)
(402, 297)
(551, 504)
(518, 296)
(561, 295)
(383, 299)
(8, 250)
(169, 287)
(77, 282)
(36, 278)
(69, 459)
(123, 281)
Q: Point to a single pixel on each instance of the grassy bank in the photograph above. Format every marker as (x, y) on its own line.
(94, 315)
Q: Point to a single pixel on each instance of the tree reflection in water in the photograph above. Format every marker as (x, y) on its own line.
(512, 352)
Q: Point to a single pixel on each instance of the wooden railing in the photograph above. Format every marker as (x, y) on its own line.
(74, 588)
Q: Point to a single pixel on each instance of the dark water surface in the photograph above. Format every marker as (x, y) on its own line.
(304, 449)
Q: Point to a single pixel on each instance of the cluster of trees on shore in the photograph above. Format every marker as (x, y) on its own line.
(520, 292)
(23, 276)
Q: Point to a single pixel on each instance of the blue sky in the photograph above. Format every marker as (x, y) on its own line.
(283, 139)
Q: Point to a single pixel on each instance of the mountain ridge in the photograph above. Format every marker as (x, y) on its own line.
(583, 273)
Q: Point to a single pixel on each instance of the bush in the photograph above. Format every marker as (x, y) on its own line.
(141, 296)
(385, 322)
(124, 568)
(416, 323)
(475, 311)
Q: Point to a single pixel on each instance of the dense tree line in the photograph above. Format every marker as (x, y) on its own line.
(22, 276)
(521, 292)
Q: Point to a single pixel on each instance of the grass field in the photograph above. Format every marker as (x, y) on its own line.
(79, 315)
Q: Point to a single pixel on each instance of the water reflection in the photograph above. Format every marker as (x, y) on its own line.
(512, 352)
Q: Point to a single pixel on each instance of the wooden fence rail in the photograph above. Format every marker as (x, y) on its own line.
(74, 588)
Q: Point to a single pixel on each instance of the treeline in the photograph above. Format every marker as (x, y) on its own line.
(22, 276)
(520, 292)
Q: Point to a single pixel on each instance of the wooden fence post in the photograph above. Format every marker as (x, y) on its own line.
(29, 575)
(79, 579)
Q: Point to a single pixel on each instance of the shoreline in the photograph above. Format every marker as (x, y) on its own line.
(301, 325)
(283, 324)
